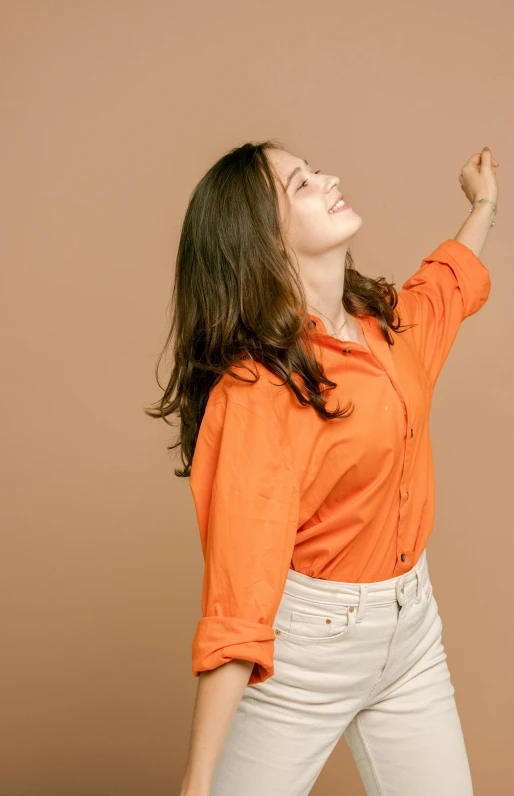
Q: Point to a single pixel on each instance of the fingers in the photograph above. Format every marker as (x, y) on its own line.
(487, 157)
(476, 159)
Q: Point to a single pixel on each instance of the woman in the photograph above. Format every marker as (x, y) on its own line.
(318, 616)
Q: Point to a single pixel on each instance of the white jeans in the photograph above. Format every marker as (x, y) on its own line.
(365, 660)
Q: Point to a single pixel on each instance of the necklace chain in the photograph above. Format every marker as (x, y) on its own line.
(338, 331)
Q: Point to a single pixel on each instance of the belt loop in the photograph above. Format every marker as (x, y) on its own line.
(363, 597)
(399, 591)
(419, 587)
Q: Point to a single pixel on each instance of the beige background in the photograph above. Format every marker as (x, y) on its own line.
(111, 113)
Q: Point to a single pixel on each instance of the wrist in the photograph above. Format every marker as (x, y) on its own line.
(195, 792)
(482, 201)
(489, 213)
(191, 790)
(195, 787)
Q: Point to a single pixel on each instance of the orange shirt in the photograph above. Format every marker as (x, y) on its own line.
(350, 499)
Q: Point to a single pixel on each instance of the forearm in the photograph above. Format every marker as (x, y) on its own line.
(218, 694)
(473, 232)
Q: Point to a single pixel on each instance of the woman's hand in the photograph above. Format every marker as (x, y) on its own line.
(478, 177)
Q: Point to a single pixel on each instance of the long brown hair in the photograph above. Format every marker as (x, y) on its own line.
(237, 296)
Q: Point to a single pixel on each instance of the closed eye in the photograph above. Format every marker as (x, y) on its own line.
(304, 183)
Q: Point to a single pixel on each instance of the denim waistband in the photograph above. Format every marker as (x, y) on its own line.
(400, 589)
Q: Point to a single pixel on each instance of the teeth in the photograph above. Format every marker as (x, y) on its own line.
(338, 204)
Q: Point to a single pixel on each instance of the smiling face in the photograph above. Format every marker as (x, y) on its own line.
(309, 195)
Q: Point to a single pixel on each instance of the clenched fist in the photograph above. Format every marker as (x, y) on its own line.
(478, 177)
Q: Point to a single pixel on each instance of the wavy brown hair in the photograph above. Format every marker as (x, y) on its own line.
(237, 296)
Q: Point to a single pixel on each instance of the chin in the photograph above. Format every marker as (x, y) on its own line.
(352, 226)
(355, 218)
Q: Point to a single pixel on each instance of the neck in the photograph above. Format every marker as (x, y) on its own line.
(338, 320)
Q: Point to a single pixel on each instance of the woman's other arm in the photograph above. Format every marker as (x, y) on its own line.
(476, 228)
(246, 497)
(478, 181)
(218, 694)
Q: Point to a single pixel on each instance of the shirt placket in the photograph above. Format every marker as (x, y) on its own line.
(404, 543)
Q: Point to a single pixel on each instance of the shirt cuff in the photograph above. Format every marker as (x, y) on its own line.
(472, 275)
(219, 639)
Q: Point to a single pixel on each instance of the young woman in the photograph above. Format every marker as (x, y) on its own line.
(318, 617)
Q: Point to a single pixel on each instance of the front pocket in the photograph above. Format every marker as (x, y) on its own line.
(316, 626)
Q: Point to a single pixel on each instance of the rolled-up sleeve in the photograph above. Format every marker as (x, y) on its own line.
(247, 502)
(451, 284)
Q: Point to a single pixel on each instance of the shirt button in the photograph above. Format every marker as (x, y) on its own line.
(311, 324)
(351, 609)
(403, 556)
(277, 632)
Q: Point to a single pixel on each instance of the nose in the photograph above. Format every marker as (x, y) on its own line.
(331, 183)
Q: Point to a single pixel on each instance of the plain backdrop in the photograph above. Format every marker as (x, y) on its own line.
(111, 111)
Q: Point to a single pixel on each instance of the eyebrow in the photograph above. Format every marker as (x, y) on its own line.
(295, 171)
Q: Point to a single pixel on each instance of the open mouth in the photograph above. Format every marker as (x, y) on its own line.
(337, 206)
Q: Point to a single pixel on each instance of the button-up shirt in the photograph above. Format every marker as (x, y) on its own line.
(276, 486)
